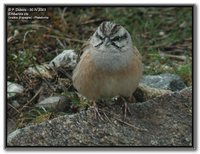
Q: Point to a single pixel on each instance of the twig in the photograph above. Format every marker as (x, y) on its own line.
(65, 73)
(91, 21)
(61, 44)
(188, 39)
(74, 40)
(13, 107)
(30, 31)
(177, 51)
(65, 38)
(62, 15)
(58, 40)
(42, 77)
(130, 125)
(34, 26)
(106, 116)
(28, 102)
(157, 45)
(176, 57)
(17, 75)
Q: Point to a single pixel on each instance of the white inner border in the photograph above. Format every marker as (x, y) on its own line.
(2, 62)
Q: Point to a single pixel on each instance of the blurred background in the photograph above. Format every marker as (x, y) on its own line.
(163, 35)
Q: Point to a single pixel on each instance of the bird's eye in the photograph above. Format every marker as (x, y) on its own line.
(99, 36)
(119, 38)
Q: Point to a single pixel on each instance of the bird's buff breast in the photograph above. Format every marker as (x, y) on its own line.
(104, 77)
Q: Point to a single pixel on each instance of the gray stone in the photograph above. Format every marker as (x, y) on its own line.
(39, 71)
(164, 81)
(68, 58)
(14, 89)
(11, 125)
(54, 103)
(162, 121)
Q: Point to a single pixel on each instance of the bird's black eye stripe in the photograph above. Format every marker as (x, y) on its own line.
(98, 44)
(119, 38)
(114, 44)
(99, 36)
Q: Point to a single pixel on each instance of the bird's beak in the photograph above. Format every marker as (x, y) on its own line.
(107, 41)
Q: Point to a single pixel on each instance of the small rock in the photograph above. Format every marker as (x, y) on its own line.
(13, 89)
(55, 103)
(15, 104)
(144, 93)
(177, 85)
(16, 33)
(39, 71)
(164, 81)
(68, 58)
(161, 33)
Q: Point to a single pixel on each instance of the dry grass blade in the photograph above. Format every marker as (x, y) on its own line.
(114, 116)
(28, 102)
(58, 40)
(25, 35)
(13, 108)
(91, 21)
(62, 13)
(130, 125)
(65, 38)
(75, 40)
(179, 58)
(33, 26)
